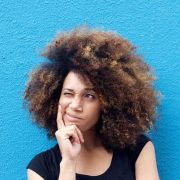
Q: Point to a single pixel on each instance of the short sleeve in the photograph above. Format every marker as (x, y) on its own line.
(46, 164)
(37, 164)
(133, 152)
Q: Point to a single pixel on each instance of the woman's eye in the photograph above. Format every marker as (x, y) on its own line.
(67, 94)
(90, 96)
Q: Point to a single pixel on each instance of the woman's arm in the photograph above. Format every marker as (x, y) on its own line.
(67, 170)
(145, 166)
(33, 175)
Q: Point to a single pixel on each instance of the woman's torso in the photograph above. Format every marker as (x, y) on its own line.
(117, 166)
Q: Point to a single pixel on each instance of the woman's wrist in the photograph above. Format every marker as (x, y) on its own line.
(67, 170)
(68, 163)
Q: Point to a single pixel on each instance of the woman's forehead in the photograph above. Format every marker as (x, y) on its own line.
(76, 81)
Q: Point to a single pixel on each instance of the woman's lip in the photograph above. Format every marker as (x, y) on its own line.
(72, 119)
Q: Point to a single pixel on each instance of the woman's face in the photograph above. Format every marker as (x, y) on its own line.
(79, 101)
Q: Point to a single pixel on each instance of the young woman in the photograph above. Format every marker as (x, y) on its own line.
(96, 97)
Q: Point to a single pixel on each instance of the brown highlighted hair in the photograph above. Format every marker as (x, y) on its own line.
(122, 79)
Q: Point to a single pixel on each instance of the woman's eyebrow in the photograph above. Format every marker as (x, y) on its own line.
(89, 89)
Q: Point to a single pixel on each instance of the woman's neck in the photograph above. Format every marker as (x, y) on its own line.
(91, 141)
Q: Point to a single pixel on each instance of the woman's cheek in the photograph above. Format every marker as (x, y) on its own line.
(64, 102)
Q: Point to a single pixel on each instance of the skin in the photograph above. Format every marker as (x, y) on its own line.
(76, 136)
(80, 100)
(78, 142)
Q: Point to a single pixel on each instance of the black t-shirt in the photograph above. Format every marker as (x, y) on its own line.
(122, 166)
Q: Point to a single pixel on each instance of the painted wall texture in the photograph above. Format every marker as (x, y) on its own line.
(27, 26)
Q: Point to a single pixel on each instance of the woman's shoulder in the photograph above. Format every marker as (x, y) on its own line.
(135, 150)
(46, 162)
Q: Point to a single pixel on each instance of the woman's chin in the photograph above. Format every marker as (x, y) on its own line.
(67, 123)
(80, 126)
(70, 123)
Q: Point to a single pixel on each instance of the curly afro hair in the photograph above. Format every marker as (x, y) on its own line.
(122, 79)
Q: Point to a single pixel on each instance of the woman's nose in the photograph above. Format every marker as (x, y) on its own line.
(76, 104)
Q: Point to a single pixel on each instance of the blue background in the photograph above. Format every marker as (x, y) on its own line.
(27, 26)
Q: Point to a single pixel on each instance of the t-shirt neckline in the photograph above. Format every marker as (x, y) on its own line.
(104, 173)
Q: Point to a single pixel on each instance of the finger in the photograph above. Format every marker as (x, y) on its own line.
(75, 138)
(70, 133)
(79, 135)
(75, 135)
(60, 122)
(72, 136)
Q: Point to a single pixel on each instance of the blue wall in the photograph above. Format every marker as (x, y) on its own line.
(27, 26)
